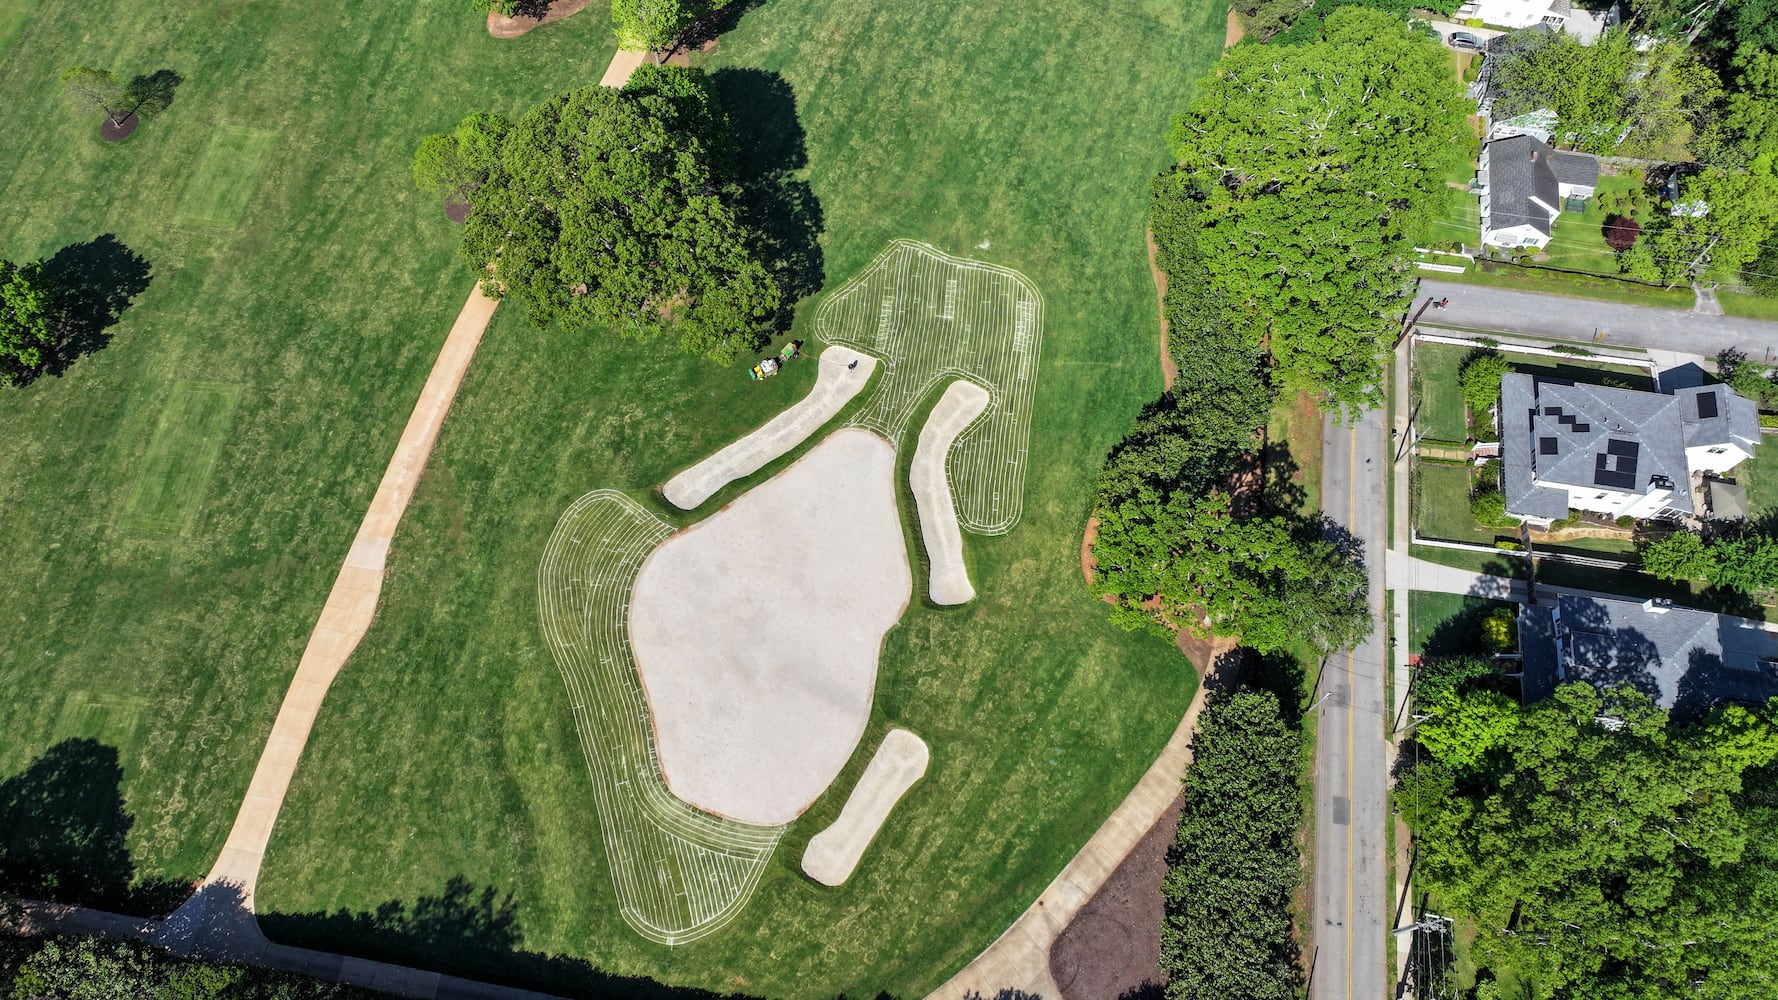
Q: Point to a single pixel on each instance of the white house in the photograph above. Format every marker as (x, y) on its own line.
(1522, 183)
(1568, 446)
(1517, 13)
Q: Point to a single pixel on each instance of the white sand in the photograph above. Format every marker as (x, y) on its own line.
(961, 404)
(756, 632)
(835, 383)
(834, 852)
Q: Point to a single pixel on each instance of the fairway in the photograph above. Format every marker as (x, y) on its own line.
(1039, 713)
(175, 469)
(221, 187)
(13, 14)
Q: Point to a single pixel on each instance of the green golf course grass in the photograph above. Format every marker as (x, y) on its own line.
(446, 750)
(323, 309)
(444, 775)
(223, 183)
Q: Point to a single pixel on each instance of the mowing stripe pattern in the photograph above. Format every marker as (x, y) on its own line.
(680, 873)
(932, 318)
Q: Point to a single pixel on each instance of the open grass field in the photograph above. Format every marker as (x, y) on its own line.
(223, 182)
(12, 15)
(175, 469)
(1000, 131)
(324, 308)
(1447, 624)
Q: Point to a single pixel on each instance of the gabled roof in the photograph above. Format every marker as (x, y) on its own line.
(1577, 169)
(1686, 660)
(1566, 434)
(1716, 415)
(1519, 170)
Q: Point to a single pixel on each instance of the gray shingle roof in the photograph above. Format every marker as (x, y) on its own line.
(1715, 415)
(1575, 168)
(1588, 436)
(1686, 660)
(1519, 170)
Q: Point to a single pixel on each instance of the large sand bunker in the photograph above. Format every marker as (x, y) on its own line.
(833, 853)
(756, 632)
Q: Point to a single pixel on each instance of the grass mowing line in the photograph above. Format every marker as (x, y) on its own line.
(181, 455)
(13, 15)
(226, 176)
(932, 317)
(680, 873)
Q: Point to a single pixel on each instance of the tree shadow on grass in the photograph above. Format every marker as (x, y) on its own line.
(63, 834)
(470, 932)
(769, 149)
(152, 94)
(94, 283)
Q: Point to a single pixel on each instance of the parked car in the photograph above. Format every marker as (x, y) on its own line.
(1464, 40)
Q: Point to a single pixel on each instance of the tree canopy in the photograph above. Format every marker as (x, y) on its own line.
(1234, 863)
(1634, 859)
(618, 207)
(455, 163)
(657, 25)
(27, 320)
(1315, 165)
(91, 89)
(1742, 215)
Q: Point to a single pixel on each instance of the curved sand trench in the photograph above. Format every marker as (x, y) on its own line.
(756, 632)
(833, 854)
(835, 384)
(960, 405)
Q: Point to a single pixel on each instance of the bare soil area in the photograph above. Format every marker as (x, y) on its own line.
(1112, 949)
(513, 27)
(1233, 30)
(1169, 370)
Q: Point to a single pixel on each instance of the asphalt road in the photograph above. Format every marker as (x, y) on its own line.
(1351, 785)
(1559, 316)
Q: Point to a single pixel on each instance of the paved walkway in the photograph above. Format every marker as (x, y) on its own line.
(1020, 958)
(350, 607)
(1478, 307)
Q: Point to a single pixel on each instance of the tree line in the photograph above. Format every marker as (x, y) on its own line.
(1603, 850)
(68, 967)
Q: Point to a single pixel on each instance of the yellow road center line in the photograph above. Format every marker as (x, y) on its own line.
(1351, 719)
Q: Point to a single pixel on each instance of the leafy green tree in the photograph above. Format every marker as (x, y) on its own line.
(1746, 563)
(505, 8)
(92, 89)
(1499, 631)
(27, 320)
(1440, 676)
(1680, 555)
(1464, 728)
(1480, 380)
(1743, 213)
(617, 207)
(1630, 856)
(1313, 168)
(455, 163)
(85, 968)
(654, 26)
(1488, 506)
(1185, 561)
(1234, 864)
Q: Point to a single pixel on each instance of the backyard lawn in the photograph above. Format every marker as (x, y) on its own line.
(1446, 624)
(447, 750)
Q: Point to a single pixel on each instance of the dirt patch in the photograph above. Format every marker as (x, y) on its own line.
(456, 209)
(1112, 948)
(1169, 370)
(1089, 565)
(682, 56)
(118, 131)
(1233, 30)
(513, 27)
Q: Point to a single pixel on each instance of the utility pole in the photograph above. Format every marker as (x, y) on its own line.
(1691, 269)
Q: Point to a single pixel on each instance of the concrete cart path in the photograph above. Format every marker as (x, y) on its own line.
(1020, 958)
(948, 581)
(350, 606)
(842, 374)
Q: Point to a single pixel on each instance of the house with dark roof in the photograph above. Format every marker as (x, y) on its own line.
(1522, 183)
(1685, 660)
(1569, 446)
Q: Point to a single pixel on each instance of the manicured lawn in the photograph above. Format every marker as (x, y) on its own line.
(13, 15)
(447, 750)
(226, 176)
(1441, 508)
(318, 313)
(1577, 242)
(1748, 306)
(1445, 624)
(1583, 286)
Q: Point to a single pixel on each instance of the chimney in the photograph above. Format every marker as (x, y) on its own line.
(1656, 606)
